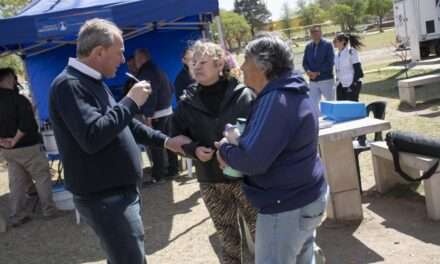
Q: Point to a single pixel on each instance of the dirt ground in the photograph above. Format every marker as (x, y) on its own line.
(178, 229)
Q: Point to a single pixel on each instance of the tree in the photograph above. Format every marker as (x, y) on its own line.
(286, 19)
(255, 12)
(326, 4)
(341, 15)
(11, 7)
(348, 13)
(310, 14)
(235, 28)
(379, 8)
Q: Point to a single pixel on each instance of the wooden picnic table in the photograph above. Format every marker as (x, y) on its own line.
(336, 150)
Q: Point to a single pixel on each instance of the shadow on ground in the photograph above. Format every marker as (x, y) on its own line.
(402, 210)
(386, 86)
(339, 244)
(66, 242)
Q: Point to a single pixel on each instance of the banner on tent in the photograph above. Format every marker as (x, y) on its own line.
(63, 25)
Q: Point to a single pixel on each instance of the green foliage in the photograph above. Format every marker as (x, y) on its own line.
(286, 19)
(11, 7)
(326, 4)
(12, 61)
(341, 14)
(236, 29)
(348, 13)
(255, 12)
(311, 14)
(379, 8)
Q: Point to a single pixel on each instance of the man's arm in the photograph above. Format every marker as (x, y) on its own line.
(179, 126)
(305, 63)
(91, 129)
(146, 135)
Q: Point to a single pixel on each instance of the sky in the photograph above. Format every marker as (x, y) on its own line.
(274, 6)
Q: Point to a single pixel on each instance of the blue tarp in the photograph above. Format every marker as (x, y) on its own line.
(44, 34)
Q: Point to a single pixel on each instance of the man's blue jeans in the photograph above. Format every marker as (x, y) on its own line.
(289, 237)
(116, 220)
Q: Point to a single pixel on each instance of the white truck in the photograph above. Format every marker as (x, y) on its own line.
(417, 24)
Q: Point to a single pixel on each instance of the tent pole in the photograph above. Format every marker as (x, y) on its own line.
(220, 31)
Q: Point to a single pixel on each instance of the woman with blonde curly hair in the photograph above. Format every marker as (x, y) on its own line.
(215, 100)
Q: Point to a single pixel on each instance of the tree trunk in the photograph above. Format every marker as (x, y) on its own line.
(380, 24)
(228, 42)
(252, 31)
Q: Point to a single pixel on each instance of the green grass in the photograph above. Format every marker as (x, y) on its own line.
(371, 41)
(424, 119)
(378, 40)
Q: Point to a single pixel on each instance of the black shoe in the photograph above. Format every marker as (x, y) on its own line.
(172, 174)
(18, 222)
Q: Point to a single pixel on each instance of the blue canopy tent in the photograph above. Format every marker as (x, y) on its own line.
(44, 34)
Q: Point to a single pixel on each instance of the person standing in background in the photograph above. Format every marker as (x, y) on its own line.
(21, 145)
(348, 67)
(318, 64)
(184, 78)
(157, 112)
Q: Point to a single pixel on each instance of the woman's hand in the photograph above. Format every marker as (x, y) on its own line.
(204, 154)
(220, 160)
(222, 164)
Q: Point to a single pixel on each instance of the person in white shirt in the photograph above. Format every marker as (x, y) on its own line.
(348, 67)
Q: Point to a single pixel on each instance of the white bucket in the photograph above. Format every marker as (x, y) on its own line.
(63, 199)
(49, 141)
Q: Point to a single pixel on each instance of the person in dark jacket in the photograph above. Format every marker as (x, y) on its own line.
(157, 112)
(97, 140)
(318, 64)
(21, 145)
(184, 78)
(131, 67)
(348, 67)
(278, 154)
(217, 99)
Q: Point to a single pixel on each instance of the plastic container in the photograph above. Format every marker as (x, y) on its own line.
(49, 142)
(340, 111)
(63, 198)
(237, 129)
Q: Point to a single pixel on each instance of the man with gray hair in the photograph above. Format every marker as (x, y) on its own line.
(97, 137)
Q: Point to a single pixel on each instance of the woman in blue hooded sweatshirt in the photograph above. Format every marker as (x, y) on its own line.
(278, 154)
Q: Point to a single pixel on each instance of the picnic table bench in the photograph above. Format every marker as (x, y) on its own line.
(386, 177)
(336, 149)
(407, 87)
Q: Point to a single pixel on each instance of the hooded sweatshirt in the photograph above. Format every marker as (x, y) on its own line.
(278, 148)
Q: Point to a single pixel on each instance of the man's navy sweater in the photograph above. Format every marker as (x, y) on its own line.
(278, 149)
(96, 135)
(319, 58)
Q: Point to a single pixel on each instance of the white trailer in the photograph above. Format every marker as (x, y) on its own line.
(417, 24)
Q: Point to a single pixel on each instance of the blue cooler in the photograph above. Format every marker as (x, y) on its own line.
(340, 111)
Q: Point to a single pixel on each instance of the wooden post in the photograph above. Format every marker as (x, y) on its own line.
(345, 198)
